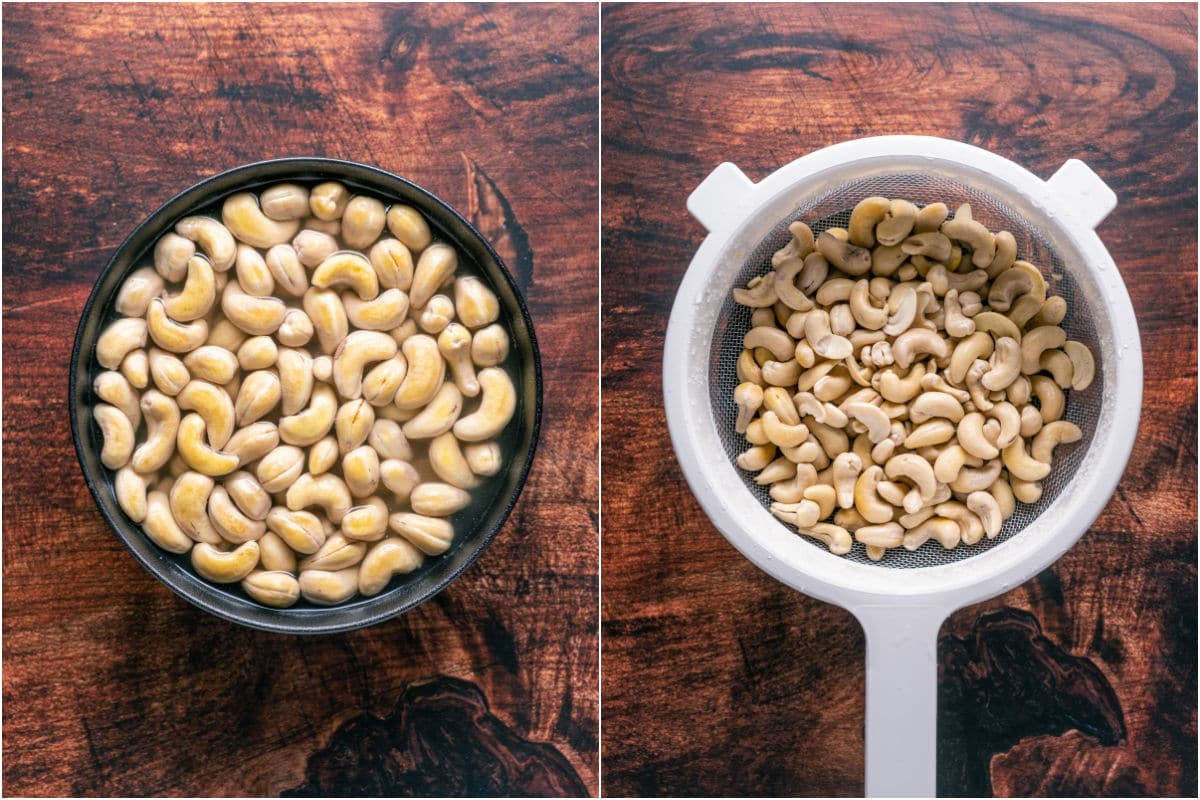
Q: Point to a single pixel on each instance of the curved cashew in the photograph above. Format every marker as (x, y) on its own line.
(347, 269)
(1026, 491)
(822, 340)
(352, 424)
(324, 588)
(1019, 391)
(475, 303)
(917, 341)
(1007, 286)
(957, 324)
(114, 389)
(409, 226)
(119, 338)
(896, 389)
(1031, 421)
(323, 455)
(760, 294)
(846, 469)
(257, 316)
(118, 435)
(388, 440)
(877, 423)
(1052, 312)
(933, 432)
(1021, 466)
(756, 457)
(356, 351)
(383, 313)
(300, 530)
(835, 537)
(138, 289)
(188, 500)
(1010, 423)
(945, 531)
(426, 372)
(130, 489)
(865, 216)
(1035, 342)
(931, 245)
(214, 407)
(1059, 365)
(328, 200)
(434, 267)
(834, 290)
(160, 526)
(399, 477)
(971, 479)
(274, 554)
(970, 526)
(949, 463)
(224, 567)
(449, 463)
(866, 497)
(328, 316)
(847, 257)
(274, 588)
(813, 274)
(887, 535)
(171, 335)
(972, 439)
(195, 451)
(799, 246)
(393, 264)
(979, 395)
(246, 221)
(249, 496)
(296, 379)
(897, 223)
(778, 400)
(932, 404)
(441, 414)
(253, 442)
(171, 255)
(484, 458)
(360, 469)
(394, 556)
(786, 273)
(864, 311)
(1005, 366)
(251, 271)
(230, 522)
(489, 346)
(362, 222)
(1052, 435)
(285, 267)
(1050, 397)
(258, 395)
(430, 535)
(916, 469)
(1083, 365)
(162, 423)
(311, 424)
(975, 235)
(930, 217)
(327, 491)
(978, 345)
(988, 511)
(886, 260)
(780, 373)
(336, 553)
(211, 363)
(214, 239)
(773, 339)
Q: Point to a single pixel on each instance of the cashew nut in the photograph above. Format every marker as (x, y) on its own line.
(393, 264)
(430, 535)
(171, 256)
(1021, 466)
(328, 201)
(1035, 342)
(484, 458)
(366, 522)
(352, 424)
(327, 491)
(119, 338)
(214, 239)
(917, 341)
(383, 313)
(362, 222)
(489, 346)
(311, 424)
(409, 226)
(360, 348)
(224, 567)
(328, 316)
(274, 588)
(393, 556)
(1083, 366)
(253, 442)
(302, 531)
(324, 588)
(434, 267)
(1052, 435)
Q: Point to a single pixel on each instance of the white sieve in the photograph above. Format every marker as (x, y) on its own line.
(901, 601)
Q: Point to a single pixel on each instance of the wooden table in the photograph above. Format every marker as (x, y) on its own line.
(112, 685)
(716, 679)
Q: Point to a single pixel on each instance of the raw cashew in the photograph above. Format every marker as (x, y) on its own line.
(933, 432)
(224, 567)
(1006, 366)
(171, 256)
(409, 226)
(196, 452)
(918, 341)
(496, 408)
(311, 424)
(324, 588)
(383, 313)
(118, 435)
(867, 499)
(835, 537)
(214, 239)
(258, 395)
(399, 477)
(114, 389)
(328, 316)
(247, 222)
(1059, 365)
(895, 389)
(484, 458)
(280, 468)
(435, 265)
(1052, 435)
(970, 527)
(382, 381)
(865, 216)
(211, 363)
(1083, 365)
(916, 469)
(274, 588)
(257, 316)
(426, 372)
(139, 288)
(161, 527)
(119, 339)
(437, 314)
(931, 245)
(1021, 465)
(336, 553)
(188, 500)
(945, 531)
(327, 491)
(366, 522)
(352, 424)
(393, 264)
(438, 499)
(253, 442)
(1007, 286)
(360, 468)
(348, 269)
(230, 522)
(988, 511)
(475, 304)
(1035, 342)
(430, 535)
(300, 530)
(441, 413)
(971, 437)
(162, 424)
(362, 222)
(489, 346)
(963, 228)
(1050, 397)
(822, 340)
(393, 556)
(213, 405)
(361, 348)
(328, 201)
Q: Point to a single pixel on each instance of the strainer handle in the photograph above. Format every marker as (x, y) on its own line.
(901, 729)
(721, 199)
(1083, 191)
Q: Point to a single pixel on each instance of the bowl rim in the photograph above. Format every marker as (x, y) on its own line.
(315, 620)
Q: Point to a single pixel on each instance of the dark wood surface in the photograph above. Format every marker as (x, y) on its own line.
(114, 686)
(717, 679)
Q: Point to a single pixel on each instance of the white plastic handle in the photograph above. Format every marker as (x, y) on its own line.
(901, 730)
(721, 199)
(1083, 191)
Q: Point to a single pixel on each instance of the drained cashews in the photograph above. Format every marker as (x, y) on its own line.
(308, 425)
(888, 380)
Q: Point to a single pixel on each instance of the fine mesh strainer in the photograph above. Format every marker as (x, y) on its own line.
(902, 600)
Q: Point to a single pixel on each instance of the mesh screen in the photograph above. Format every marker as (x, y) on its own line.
(832, 209)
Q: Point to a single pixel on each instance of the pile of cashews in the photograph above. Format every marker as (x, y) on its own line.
(318, 360)
(903, 379)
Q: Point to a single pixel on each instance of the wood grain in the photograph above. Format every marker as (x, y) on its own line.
(716, 679)
(112, 685)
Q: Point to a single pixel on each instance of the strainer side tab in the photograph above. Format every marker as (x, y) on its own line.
(721, 199)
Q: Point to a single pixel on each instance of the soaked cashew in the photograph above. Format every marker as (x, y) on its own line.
(214, 239)
(114, 388)
(118, 435)
(430, 535)
(328, 316)
(325, 588)
(302, 531)
(118, 340)
(312, 247)
(285, 201)
(257, 316)
(171, 255)
(484, 458)
(253, 442)
(409, 226)
(137, 291)
(286, 269)
(360, 468)
(246, 221)
(224, 567)
(426, 372)
(497, 405)
(384, 313)
(435, 265)
(197, 454)
(258, 395)
(437, 314)
(162, 423)
(393, 556)
(327, 491)
(310, 425)
(214, 406)
(366, 522)
(328, 201)
(351, 270)
(359, 349)
(230, 522)
(489, 346)
(274, 588)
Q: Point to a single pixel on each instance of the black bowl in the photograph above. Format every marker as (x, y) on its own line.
(475, 526)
